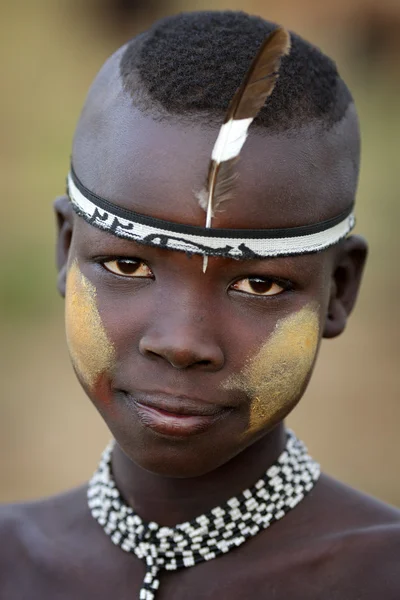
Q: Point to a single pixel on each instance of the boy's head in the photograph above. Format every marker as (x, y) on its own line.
(187, 368)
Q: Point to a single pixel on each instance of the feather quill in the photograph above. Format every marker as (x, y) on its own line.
(250, 97)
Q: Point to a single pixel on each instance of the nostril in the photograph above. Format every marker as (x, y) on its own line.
(183, 352)
(152, 354)
(185, 360)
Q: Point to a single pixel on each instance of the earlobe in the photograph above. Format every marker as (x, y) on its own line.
(345, 284)
(64, 215)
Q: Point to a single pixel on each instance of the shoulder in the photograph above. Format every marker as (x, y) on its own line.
(19, 532)
(35, 522)
(357, 542)
(342, 507)
(37, 538)
(360, 563)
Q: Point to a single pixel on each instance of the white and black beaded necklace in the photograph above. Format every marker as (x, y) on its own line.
(210, 535)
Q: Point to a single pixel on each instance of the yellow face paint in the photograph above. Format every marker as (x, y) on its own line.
(92, 353)
(274, 378)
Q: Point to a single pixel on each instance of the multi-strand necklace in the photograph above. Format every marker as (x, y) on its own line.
(210, 535)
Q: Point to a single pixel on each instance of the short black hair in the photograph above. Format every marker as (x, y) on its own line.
(191, 64)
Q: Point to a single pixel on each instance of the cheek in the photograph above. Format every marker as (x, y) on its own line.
(92, 353)
(276, 376)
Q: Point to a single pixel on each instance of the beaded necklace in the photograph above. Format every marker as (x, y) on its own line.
(210, 535)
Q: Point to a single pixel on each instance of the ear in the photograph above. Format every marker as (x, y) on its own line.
(345, 283)
(65, 221)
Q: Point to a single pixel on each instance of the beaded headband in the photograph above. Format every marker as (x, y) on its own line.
(227, 243)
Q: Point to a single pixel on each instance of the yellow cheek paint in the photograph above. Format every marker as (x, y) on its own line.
(92, 353)
(274, 378)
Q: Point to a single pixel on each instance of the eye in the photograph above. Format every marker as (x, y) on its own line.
(128, 267)
(258, 286)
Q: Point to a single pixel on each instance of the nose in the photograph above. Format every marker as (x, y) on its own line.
(183, 345)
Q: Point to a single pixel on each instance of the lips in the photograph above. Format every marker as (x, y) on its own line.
(176, 416)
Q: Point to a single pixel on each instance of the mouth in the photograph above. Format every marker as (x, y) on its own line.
(175, 416)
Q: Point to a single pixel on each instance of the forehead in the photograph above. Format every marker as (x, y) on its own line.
(156, 167)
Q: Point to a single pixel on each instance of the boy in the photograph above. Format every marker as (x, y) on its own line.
(192, 364)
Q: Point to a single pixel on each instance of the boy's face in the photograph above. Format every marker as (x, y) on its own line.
(186, 368)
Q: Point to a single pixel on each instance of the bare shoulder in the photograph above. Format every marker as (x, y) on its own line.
(31, 523)
(39, 542)
(357, 542)
(341, 506)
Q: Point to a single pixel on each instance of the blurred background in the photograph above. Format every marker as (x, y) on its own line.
(50, 436)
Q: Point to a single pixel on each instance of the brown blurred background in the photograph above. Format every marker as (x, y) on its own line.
(50, 436)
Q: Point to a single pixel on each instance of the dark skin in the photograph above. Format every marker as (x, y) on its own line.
(183, 333)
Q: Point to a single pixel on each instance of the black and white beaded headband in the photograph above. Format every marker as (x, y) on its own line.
(227, 243)
(284, 485)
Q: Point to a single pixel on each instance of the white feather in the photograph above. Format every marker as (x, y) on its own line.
(230, 140)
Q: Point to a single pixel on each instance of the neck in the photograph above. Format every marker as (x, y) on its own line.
(169, 501)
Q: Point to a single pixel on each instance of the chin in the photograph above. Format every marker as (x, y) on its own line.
(171, 445)
(175, 457)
